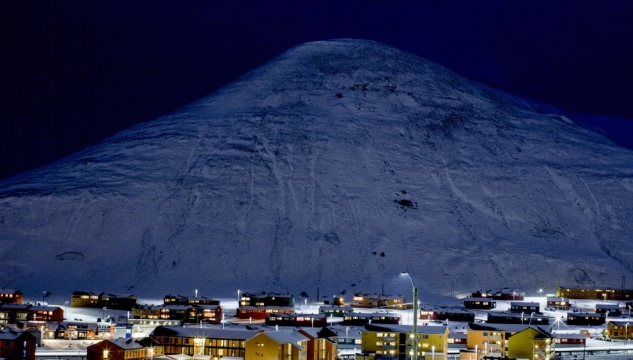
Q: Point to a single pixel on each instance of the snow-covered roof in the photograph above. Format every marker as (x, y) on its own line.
(407, 328)
(179, 331)
(287, 337)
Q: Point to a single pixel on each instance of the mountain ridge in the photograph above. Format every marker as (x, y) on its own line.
(302, 172)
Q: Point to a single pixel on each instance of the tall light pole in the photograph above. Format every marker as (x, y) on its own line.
(414, 355)
(238, 297)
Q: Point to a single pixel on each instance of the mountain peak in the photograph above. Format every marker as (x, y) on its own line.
(337, 165)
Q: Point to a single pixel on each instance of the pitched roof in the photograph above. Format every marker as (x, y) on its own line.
(209, 333)
(287, 337)
(407, 328)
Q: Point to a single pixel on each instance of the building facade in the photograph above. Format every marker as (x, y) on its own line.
(11, 296)
(125, 349)
(17, 345)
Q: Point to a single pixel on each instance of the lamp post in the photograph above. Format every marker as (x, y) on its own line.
(238, 297)
(521, 317)
(104, 310)
(433, 352)
(414, 355)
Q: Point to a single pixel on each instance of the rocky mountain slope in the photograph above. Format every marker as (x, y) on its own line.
(337, 165)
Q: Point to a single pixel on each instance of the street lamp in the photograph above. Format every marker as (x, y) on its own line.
(238, 297)
(414, 355)
(104, 310)
(433, 352)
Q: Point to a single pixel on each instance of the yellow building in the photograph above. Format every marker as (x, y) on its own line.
(396, 341)
(275, 345)
(486, 341)
(214, 343)
(619, 330)
(532, 343)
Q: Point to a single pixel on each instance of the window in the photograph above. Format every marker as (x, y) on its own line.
(106, 354)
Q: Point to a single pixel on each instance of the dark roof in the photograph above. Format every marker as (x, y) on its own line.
(211, 333)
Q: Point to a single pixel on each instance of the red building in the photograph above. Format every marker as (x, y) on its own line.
(125, 349)
(12, 313)
(17, 345)
(11, 296)
(446, 313)
(260, 313)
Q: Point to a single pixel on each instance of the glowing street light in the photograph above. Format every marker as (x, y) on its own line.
(415, 316)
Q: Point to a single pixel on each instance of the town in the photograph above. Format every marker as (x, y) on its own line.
(502, 324)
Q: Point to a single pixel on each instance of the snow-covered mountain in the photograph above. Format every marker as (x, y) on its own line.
(337, 165)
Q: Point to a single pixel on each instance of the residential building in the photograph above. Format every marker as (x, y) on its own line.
(533, 343)
(17, 345)
(322, 343)
(593, 293)
(558, 303)
(354, 318)
(11, 296)
(365, 300)
(336, 311)
(517, 318)
(84, 299)
(265, 299)
(184, 300)
(524, 307)
(570, 340)
(487, 340)
(202, 341)
(285, 344)
(117, 301)
(12, 313)
(483, 303)
(609, 309)
(74, 330)
(125, 349)
(308, 320)
(395, 342)
(392, 301)
(101, 300)
(211, 314)
(349, 337)
(587, 319)
(457, 340)
(260, 313)
(443, 313)
(619, 330)
(502, 294)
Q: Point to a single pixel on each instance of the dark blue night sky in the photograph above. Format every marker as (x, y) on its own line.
(74, 72)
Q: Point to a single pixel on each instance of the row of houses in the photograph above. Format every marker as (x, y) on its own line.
(100, 300)
(192, 313)
(377, 342)
(301, 344)
(594, 293)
